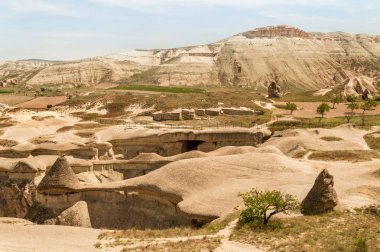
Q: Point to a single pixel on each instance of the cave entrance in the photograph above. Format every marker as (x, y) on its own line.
(191, 145)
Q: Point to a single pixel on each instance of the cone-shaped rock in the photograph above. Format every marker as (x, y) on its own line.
(60, 179)
(322, 197)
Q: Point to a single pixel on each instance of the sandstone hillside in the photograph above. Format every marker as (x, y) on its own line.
(296, 59)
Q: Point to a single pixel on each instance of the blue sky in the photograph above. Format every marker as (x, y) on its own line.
(73, 29)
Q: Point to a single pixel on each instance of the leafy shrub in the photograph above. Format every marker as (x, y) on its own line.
(262, 205)
(291, 106)
(361, 244)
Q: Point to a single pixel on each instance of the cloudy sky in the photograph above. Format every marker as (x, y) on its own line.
(73, 29)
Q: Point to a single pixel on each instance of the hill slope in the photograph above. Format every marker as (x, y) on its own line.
(296, 59)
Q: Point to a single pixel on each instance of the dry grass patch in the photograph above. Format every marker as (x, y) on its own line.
(82, 126)
(345, 155)
(8, 143)
(208, 229)
(331, 139)
(377, 173)
(204, 245)
(373, 140)
(336, 231)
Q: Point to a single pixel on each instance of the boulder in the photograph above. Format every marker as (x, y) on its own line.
(366, 95)
(274, 90)
(76, 216)
(322, 197)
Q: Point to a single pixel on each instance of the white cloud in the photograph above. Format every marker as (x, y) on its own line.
(149, 5)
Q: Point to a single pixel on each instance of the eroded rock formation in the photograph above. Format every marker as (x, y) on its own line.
(16, 198)
(298, 59)
(322, 197)
(274, 90)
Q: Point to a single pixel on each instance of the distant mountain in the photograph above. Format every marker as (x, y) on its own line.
(295, 59)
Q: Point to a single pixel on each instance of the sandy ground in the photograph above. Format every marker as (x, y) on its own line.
(27, 128)
(308, 110)
(24, 236)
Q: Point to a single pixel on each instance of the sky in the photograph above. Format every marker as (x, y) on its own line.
(74, 29)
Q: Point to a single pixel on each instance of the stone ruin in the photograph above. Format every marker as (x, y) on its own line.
(274, 90)
(191, 114)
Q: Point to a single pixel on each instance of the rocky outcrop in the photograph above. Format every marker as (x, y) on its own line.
(59, 179)
(360, 86)
(322, 197)
(297, 59)
(16, 198)
(366, 95)
(76, 216)
(274, 90)
(277, 31)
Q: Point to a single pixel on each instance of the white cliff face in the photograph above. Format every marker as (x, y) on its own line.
(295, 59)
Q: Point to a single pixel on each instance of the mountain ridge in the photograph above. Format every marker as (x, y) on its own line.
(296, 59)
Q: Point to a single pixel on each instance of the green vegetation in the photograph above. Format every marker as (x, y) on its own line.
(361, 244)
(368, 105)
(358, 121)
(260, 206)
(6, 91)
(306, 96)
(353, 106)
(351, 98)
(153, 88)
(345, 155)
(331, 139)
(335, 231)
(291, 106)
(336, 99)
(323, 109)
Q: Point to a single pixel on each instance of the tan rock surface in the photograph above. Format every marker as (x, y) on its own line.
(296, 59)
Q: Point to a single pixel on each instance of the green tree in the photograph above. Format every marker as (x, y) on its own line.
(368, 105)
(323, 109)
(336, 99)
(352, 106)
(351, 98)
(291, 106)
(262, 205)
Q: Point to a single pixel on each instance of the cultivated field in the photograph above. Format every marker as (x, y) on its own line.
(42, 102)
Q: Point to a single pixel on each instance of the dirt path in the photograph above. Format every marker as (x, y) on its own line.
(232, 246)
